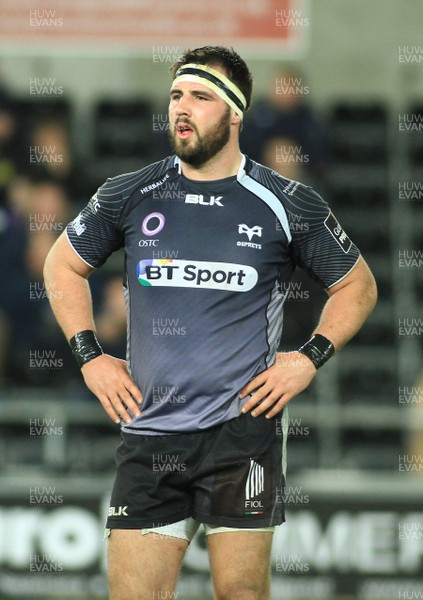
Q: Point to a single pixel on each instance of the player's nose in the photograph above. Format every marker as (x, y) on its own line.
(184, 106)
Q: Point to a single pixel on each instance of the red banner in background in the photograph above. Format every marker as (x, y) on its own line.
(261, 25)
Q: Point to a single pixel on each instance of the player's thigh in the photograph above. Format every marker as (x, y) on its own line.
(142, 567)
(240, 564)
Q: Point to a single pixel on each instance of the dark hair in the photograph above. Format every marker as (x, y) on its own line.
(235, 67)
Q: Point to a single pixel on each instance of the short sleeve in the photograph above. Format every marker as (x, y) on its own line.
(94, 233)
(319, 244)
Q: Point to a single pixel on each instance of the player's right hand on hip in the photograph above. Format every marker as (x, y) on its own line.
(108, 378)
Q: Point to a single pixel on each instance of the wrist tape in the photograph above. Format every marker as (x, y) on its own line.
(318, 349)
(85, 346)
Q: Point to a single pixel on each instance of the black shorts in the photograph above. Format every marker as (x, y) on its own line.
(230, 475)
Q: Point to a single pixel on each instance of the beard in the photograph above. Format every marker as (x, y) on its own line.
(197, 153)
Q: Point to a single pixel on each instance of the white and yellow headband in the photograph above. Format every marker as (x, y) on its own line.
(216, 81)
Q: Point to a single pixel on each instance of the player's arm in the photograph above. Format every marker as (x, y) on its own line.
(107, 377)
(350, 302)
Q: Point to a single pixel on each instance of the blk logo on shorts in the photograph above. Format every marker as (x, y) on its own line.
(118, 511)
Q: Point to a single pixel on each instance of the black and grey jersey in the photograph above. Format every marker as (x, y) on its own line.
(207, 268)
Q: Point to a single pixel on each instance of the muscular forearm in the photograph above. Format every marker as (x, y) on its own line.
(350, 302)
(70, 300)
(65, 276)
(348, 307)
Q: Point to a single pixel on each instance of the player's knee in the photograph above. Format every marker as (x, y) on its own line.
(242, 590)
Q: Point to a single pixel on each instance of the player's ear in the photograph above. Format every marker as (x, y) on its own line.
(235, 118)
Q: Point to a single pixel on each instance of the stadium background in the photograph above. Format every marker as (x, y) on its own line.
(99, 71)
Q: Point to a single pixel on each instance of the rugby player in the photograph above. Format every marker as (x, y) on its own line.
(211, 241)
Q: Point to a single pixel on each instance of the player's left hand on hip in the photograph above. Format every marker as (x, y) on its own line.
(291, 373)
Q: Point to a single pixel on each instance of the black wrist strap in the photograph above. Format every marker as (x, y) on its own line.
(85, 346)
(318, 349)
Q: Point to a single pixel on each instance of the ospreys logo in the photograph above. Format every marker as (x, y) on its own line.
(196, 274)
(250, 232)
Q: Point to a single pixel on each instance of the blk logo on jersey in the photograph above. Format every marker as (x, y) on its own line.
(337, 232)
(196, 274)
(254, 487)
(250, 232)
(200, 199)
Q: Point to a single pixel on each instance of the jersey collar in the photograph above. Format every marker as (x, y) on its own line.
(241, 171)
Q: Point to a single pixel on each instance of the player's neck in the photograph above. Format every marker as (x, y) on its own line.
(225, 164)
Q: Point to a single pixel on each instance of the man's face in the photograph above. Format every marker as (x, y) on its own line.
(199, 122)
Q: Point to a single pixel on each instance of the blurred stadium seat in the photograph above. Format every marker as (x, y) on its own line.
(123, 128)
(358, 133)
